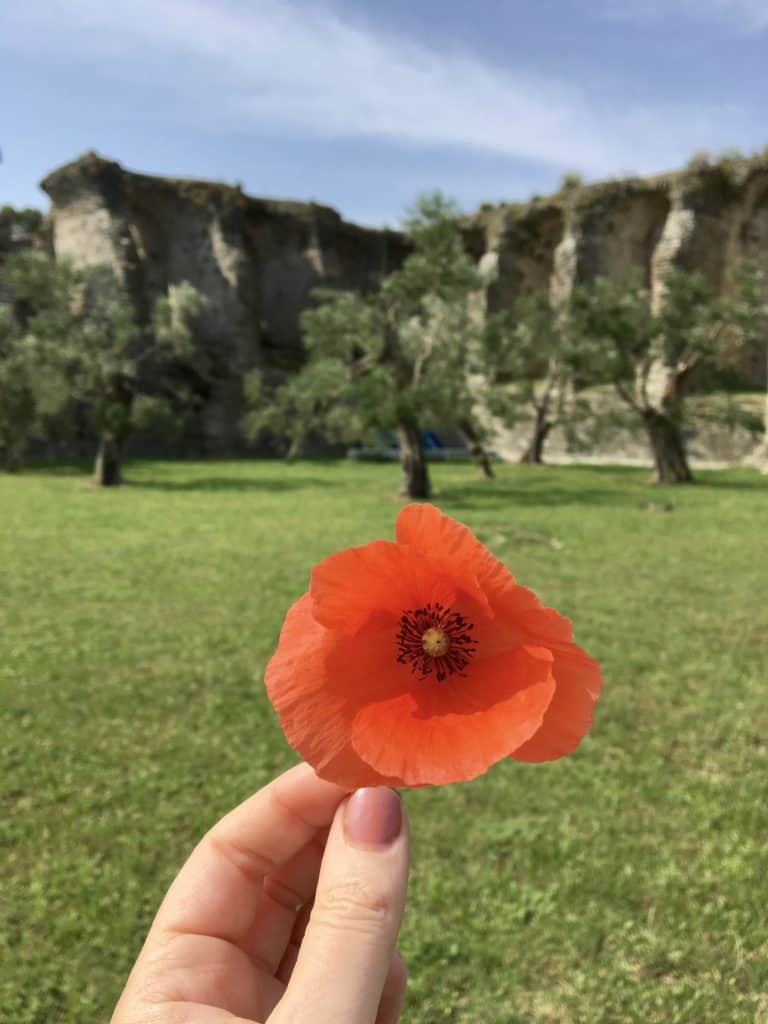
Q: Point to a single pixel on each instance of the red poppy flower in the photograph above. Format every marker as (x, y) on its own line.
(423, 662)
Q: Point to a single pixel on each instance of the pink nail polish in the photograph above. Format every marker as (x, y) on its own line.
(373, 817)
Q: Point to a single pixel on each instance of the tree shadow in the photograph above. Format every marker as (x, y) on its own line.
(232, 484)
(468, 498)
(759, 483)
(542, 486)
(57, 467)
(629, 487)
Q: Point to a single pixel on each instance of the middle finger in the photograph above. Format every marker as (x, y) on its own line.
(284, 892)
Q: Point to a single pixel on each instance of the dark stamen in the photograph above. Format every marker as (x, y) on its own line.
(410, 641)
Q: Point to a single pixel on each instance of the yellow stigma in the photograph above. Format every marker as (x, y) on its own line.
(435, 643)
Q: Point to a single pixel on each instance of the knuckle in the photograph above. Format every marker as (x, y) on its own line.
(282, 894)
(353, 905)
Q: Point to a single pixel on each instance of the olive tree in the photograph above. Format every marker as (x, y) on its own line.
(529, 360)
(112, 360)
(752, 315)
(70, 337)
(32, 391)
(395, 359)
(652, 353)
(32, 379)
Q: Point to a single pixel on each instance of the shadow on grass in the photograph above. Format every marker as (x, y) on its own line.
(758, 483)
(231, 484)
(477, 498)
(605, 485)
(54, 467)
(139, 474)
(545, 486)
(557, 486)
(204, 485)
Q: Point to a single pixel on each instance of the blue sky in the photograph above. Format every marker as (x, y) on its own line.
(363, 104)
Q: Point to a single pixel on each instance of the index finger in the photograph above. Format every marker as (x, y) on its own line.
(217, 891)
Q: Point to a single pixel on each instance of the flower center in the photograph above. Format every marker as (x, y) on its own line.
(436, 643)
(435, 639)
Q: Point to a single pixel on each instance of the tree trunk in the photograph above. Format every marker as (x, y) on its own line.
(294, 449)
(476, 449)
(107, 471)
(534, 453)
(415, 479)
(759, 456)
(10, 459)
(668, 447)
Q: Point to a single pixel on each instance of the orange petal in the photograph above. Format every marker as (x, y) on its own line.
(349, 587)
(434, 733)
(295, 681)
(349, 770)
(318, 680)
(430, 531)
(545, 623)
(569, 716)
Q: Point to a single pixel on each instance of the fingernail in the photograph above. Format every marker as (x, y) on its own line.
(373, 817)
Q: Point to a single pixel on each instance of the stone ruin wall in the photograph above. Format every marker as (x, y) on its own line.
(707, 219)
(257, 260)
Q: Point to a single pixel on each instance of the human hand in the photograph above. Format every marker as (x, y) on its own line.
(275, 917)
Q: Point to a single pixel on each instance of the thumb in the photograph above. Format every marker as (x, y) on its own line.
(347, 948)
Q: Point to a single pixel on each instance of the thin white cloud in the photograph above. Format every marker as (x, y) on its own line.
(743, 15)
(300, 69)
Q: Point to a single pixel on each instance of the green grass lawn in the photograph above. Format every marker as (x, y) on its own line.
(626, 883)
